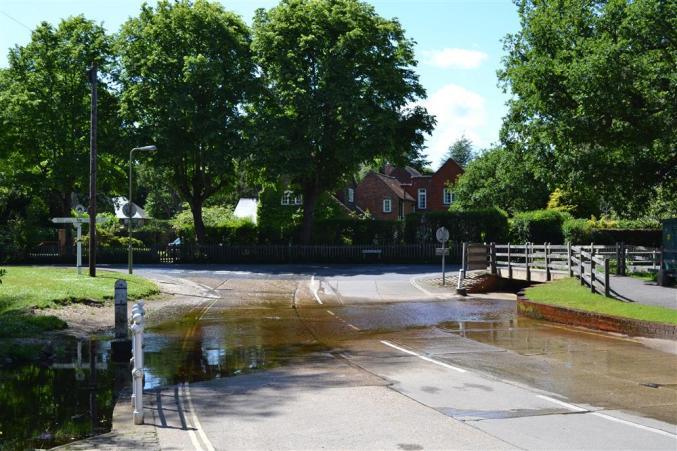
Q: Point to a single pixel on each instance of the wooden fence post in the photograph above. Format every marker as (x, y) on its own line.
(606, 277)
(571, 271)
(526, 261)
(509, 263)
(618, 258)
(581, 267)
(623, 259)
(546, 248)
(492, 248)
(592, 274)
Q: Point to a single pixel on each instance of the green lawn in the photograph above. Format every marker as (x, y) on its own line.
(569, 293)
(26, 287)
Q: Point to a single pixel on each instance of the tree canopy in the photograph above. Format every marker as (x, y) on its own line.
(186, 73)
(461, 151)
(594, 87)
(45, 113)
(339, 88)
(500, 178)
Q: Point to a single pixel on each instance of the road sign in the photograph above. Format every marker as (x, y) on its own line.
(129, 210)
(441, 251)
(77, 223)
(442, 235)
(80, 209)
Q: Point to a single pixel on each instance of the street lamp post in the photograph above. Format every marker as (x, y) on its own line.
(130, 211)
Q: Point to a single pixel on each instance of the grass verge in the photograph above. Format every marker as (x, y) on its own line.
(645, 276)
(569, 293)
(27, 287)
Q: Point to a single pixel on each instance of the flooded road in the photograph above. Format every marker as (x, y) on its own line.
(256, 327)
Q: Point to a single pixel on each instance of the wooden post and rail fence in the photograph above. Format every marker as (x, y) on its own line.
(591, 264)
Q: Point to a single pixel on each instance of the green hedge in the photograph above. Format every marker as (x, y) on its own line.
(582, 231)
(485, 225)
(538, 226)
(358, 231)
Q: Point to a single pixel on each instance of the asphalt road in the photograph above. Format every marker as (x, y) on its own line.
(366, 357)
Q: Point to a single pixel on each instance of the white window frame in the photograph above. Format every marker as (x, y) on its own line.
(447, 196)
(351, 195)
(422, 205)
(389, 203)
(287, 197)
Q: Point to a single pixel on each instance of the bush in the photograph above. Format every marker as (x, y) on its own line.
(221, 227)
(538, 226)
(358, 231)
(483, 225)
(577, 231)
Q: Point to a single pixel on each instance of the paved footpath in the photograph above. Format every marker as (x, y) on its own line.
(643, 292)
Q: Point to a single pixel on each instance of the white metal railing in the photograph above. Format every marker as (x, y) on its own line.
(137, 324)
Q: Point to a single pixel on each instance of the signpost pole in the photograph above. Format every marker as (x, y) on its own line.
(444, 252)
(78, 227)
(92, 175)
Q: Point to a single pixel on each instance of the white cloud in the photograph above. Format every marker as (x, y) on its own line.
(458, 112)
(454, 58)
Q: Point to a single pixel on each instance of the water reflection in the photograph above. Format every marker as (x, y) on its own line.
(64, 395)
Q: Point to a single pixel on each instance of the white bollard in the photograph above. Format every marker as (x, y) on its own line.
(137, 325)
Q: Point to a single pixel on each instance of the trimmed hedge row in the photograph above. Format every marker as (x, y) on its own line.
(483, 225)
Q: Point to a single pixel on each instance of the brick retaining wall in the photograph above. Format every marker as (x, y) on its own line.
(591, 320)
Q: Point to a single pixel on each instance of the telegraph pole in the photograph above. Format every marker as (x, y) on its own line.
(92, 174)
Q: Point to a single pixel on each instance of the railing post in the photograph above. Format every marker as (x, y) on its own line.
(493, 257)
(623, 252)
(618, 258)
(509, 263)
(546, 248)
(526, 260)
(592, 273)
(581, 267)
(571, 271)
(606, 277)
(137, 327)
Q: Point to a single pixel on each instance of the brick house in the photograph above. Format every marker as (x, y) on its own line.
(397, 191)
(434, 192)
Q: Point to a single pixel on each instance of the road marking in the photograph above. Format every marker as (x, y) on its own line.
(313, 289)
(419, 287)
(331, 313)
(563, 404)
(208, 307)
(422, 357)
(354, 327)
(630, 423)
(196, 422)
(607, 417)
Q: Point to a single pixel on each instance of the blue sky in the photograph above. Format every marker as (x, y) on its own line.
(458, 47)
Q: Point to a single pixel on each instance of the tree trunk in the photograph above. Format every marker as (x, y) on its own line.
(310, 198)
(196, 209)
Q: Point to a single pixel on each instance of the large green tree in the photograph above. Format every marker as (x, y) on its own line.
(340, 85)
(461, 151)
(594, 86)
(45, 113)
(186, 72)
(500, 178)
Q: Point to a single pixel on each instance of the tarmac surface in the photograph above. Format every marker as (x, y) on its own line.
(370, 357)
(643, 292)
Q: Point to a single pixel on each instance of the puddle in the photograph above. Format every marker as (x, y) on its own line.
(59, 399)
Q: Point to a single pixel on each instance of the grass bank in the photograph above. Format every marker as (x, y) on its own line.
(25, 288)
(569, 293)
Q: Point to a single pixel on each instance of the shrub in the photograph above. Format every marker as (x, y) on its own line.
(488, 224)
(220, 227)
(358, 231)
(538, 226)
(577, 231)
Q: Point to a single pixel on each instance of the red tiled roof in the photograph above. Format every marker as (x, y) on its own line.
(395, 186)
